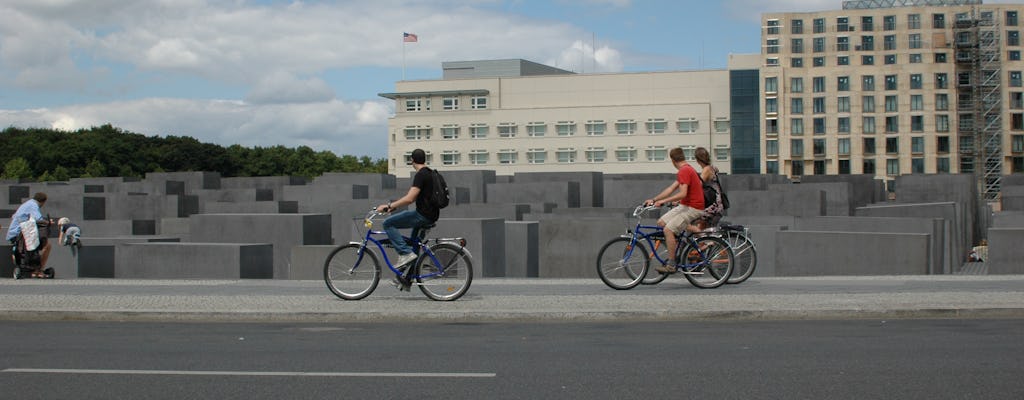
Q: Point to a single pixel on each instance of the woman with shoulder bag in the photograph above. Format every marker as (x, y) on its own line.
(709, 176)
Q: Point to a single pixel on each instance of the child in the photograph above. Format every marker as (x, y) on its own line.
(70, 235)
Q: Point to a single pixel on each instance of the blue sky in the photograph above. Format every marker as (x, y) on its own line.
(264, 73)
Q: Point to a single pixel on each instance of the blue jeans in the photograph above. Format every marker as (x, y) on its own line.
(404, 219)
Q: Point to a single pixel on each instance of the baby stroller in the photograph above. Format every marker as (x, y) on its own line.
(27, 262)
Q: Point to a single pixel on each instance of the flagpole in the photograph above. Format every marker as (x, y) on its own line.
(403, 58)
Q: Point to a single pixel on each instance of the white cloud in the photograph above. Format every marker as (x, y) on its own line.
(583, 57)
(283, 87)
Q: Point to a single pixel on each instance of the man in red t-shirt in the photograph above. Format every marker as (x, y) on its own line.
(690, 196)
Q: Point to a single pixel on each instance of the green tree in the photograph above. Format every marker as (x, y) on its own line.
(95, 169)
(17, 168)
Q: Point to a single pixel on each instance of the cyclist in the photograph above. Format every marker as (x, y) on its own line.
(709, 173)
(687, 190)
(29, 210)
(425, 214)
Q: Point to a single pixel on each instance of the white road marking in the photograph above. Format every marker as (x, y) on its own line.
(255, 373)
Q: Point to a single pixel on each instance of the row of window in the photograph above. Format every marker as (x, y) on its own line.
(566, 155)
(561, 128)
(868, 104)
(867, 43)
(892, 146)
(889, 23)
(892, 166)
(448, 103)
(889, 59)
(889, 82)
(868, 125)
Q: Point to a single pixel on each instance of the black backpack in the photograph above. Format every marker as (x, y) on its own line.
(439, 190)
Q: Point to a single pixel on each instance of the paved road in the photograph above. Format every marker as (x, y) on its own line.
(945, 296)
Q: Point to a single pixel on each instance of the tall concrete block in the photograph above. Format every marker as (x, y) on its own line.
(522, 244)
(865, 189)
(318, 198)
(564, 194)
(1011, 198)
(194, 261)
(283, 231)
(936, 228)
(98, 256)
(838, 200)
(308, 262)
(1008, 219)
(1005, 253)
(591, 184)
(190, 180)
(569, 246)
(957, 188)
(470, 186)
(485, 240)
(765, 238)
(958, 236)
(797, 203)
(807, 253)
(622, 193)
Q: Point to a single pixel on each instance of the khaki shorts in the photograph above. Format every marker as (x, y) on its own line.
(679, 217)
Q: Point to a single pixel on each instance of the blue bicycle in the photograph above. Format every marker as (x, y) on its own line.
(443, 269)
(624, 262)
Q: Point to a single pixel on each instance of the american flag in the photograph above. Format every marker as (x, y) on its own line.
(409, 37)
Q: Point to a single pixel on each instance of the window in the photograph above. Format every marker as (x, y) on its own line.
(818, 61)
(721, 154)
(1017, 100)
(450, 103)
(843, 43)
(566, 155)
(843, 125)
(938, 21)
(942, 165)
(892, 167)
(1013, 38)
(536, 129)
(625, 154)
(869, 146)
(890, 59)
(771, 167)
(892, 145)
(796, 62)
(892, 104)
(450, 157)
(722, 126)
(869, 167)
(819, 126)
(796, 85)
(867, 83)
(772, 46)
(595, 154)
(478, 131)
(536, 156)
(941, 81)
(867, 60)
(844, 146)
(507, 130)
(843, 104)
(818, 45)
(869, 104)
(772, 61)
(889, 22)
(657, 153)
(478, 157)
(796, 126)
(771, 126)
(819, 147)
(916, 81)
(688, 125)
(450, 132)
(942, 123)
(868, 125)
(478, 102)
(916, 102)
(867, 24)
(796, 26)
(595, 128)
(796, 105)
(507, 156)
(798, 168)
(1011, 18)
(1014, 55)
(940, 58)
(942, 144)
(914, 21)
(963, 79)
(889, 42)
(1015, 79)
(771, 148)
(915, 58)
(773, 27)
(771, 105)
(1017, 143)
(819, 25)
(844, 167)
(867, 43)
(842, 60)
(819, 84)
(796, 148)
(625, 127)
(843, 83)
(417, 133)
(843, 24)
(417, 104)
(656, 126)
(565, 128)
(819, 105)
(917, 145)
(796, 45)
(891, 82)
(941, 102)
(892, 124)
(819, 167)
(915, 41)
(771, 84)
(917, 123)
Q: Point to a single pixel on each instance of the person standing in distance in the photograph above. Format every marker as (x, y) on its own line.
(30, 209)
(424, 214)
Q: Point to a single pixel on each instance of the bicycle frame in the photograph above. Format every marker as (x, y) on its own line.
(419, 247)
(642, 231)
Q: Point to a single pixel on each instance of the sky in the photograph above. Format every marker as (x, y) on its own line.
(308, 73)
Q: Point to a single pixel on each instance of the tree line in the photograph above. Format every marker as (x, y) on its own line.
(54, 155)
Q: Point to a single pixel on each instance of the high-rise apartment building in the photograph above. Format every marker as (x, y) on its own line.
(891, 87)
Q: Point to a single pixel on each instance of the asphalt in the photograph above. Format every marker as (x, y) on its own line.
(506, 299)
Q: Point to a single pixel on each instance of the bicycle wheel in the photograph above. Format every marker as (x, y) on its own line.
(716, 264)
(621, 264)
(457, 275)
(654, 277)
(745, 256)
(351, 272)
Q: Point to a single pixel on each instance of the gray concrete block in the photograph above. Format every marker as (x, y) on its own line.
(319, 198)
(282, 231)
(838, 200)
(958, 239)
(797, 203)
(485, 239)
(1005, 251)
(195, 261)
(563, 194)
(507, 211)
(765, 238)
(470, 186)
(98, 256)
(307, 262)
(937, 229)
(177, 227)
(252, 207)
(1011, 198)
(622, 193)
(1008, 219)
(191, 181)
(569, 246)
(591, 184)
(808, 253)
(522, 244)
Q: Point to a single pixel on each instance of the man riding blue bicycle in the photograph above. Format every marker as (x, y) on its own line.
(424, 215)
(687, 190)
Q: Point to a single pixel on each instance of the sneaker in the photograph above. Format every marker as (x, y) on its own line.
(666, 269)
(404, 259)
(401, 283)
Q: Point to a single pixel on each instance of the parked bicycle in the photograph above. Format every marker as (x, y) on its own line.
(625, 261)
(443, 269)
(743, 248)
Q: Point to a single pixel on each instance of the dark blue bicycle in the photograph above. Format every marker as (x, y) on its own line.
(443, 269)
(625, 261)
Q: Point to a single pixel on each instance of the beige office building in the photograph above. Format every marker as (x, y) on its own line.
(890, 87)
(517, 116)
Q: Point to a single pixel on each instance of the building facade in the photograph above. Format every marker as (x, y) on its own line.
(890, 87)
(515, 116)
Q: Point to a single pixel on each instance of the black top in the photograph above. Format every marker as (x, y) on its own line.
(425, 182)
